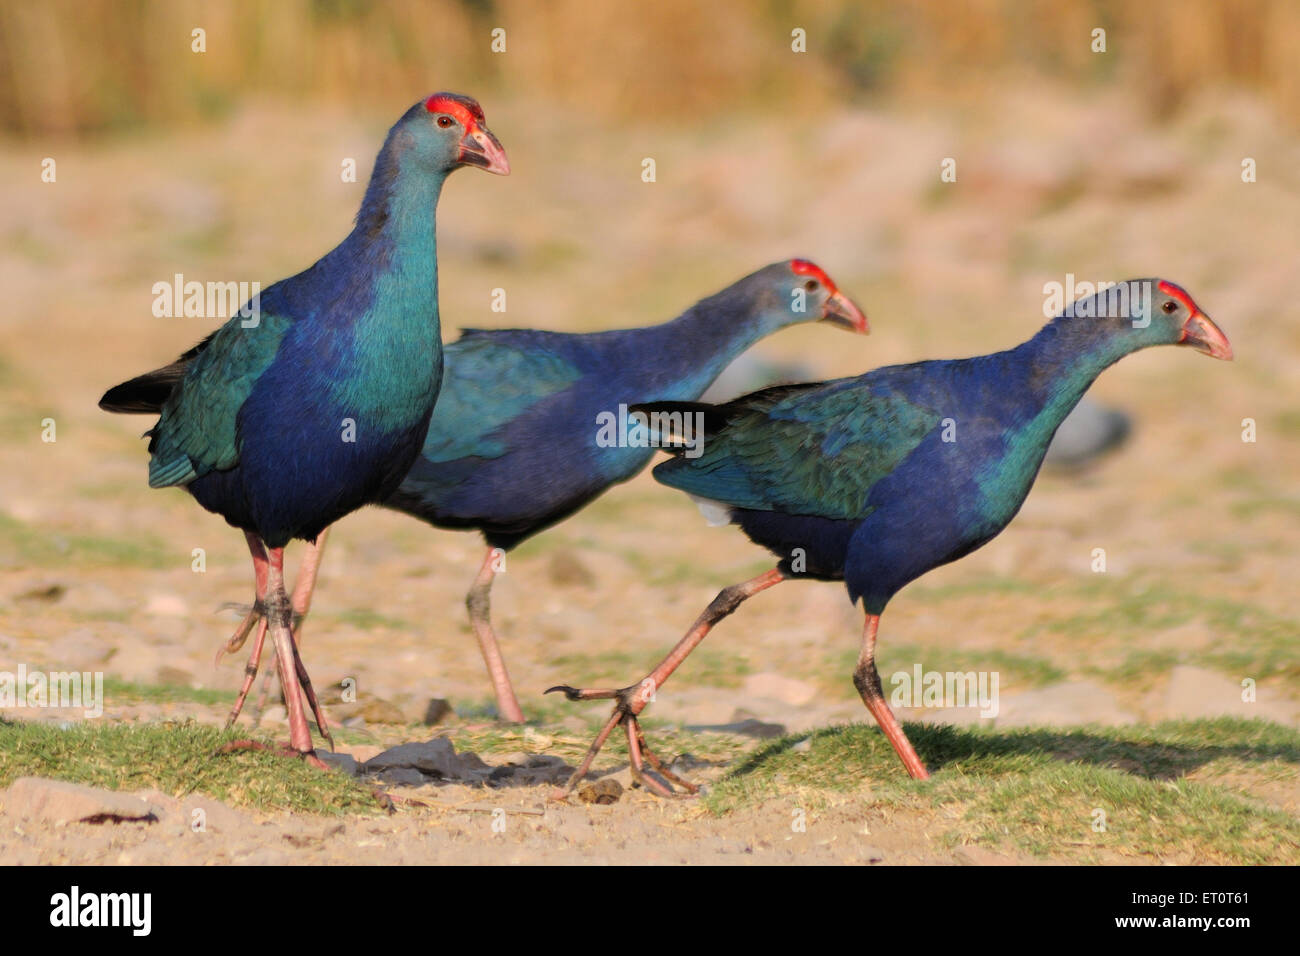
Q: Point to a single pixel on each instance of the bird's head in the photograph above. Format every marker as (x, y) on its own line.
(447, 131)
(1153, 312)
(1182, 319)
(806, 294)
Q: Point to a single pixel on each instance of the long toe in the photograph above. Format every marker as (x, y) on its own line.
(575, 693)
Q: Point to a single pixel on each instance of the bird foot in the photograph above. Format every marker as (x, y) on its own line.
(284, 750)
(628, 704)
(258, 620)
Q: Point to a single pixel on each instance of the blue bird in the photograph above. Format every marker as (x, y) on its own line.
(316, 398)
(530, 426)
(877, 479)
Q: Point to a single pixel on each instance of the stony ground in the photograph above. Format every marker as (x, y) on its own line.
(1197, 525)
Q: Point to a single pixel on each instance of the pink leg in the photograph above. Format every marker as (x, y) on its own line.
(258, 611)
(250, 671)
(305, 586)
(479, 618)
(303, 590)
(867, 681)
(311, 565)
(278, 612)
(278, 618)
(630, 701)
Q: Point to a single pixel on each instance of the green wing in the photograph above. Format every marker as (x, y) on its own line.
(197, 431)
(488, 380)
(812, 449)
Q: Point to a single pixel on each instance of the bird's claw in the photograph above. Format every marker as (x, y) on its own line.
(287, 750)
(577, 693)
(628, 703)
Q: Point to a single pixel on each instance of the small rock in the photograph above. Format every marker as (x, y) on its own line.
(605, 790)
(437, 710)
(403, 777)
(803, 746)
(57, 801)
(436, 756)
(345, 762)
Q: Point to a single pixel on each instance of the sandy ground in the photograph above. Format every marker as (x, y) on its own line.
(464, 829)
(1198, 526)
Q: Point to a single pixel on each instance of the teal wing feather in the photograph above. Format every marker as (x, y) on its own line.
(197, 430)
(814, 450)
(488, 381)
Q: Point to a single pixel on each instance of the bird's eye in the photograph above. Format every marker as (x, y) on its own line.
(1169, 307)
(445, 121)
(810, 285)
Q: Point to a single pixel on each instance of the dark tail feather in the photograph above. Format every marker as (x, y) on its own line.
(145, 393)
(716, 417)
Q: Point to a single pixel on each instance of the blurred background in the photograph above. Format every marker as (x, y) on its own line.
(224, 165)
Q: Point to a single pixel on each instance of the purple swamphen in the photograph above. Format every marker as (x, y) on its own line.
(877, 479)
(315, 400)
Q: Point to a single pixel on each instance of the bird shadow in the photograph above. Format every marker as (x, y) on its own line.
(1152, 753)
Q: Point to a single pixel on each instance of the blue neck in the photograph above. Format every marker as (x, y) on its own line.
(684, 356)
(389, 298)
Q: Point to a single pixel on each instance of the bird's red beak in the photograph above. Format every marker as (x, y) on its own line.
(842, 311)
(480, 148)
(1204, 336)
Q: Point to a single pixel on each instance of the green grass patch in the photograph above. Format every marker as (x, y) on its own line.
(1140, 668)
(117, 691)
(1250, 639)
(22, 545)
(178, 759)
(367, 620)
(1038, 789)
(1019, 670)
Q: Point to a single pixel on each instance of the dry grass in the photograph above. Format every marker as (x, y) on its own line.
(87, 65)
